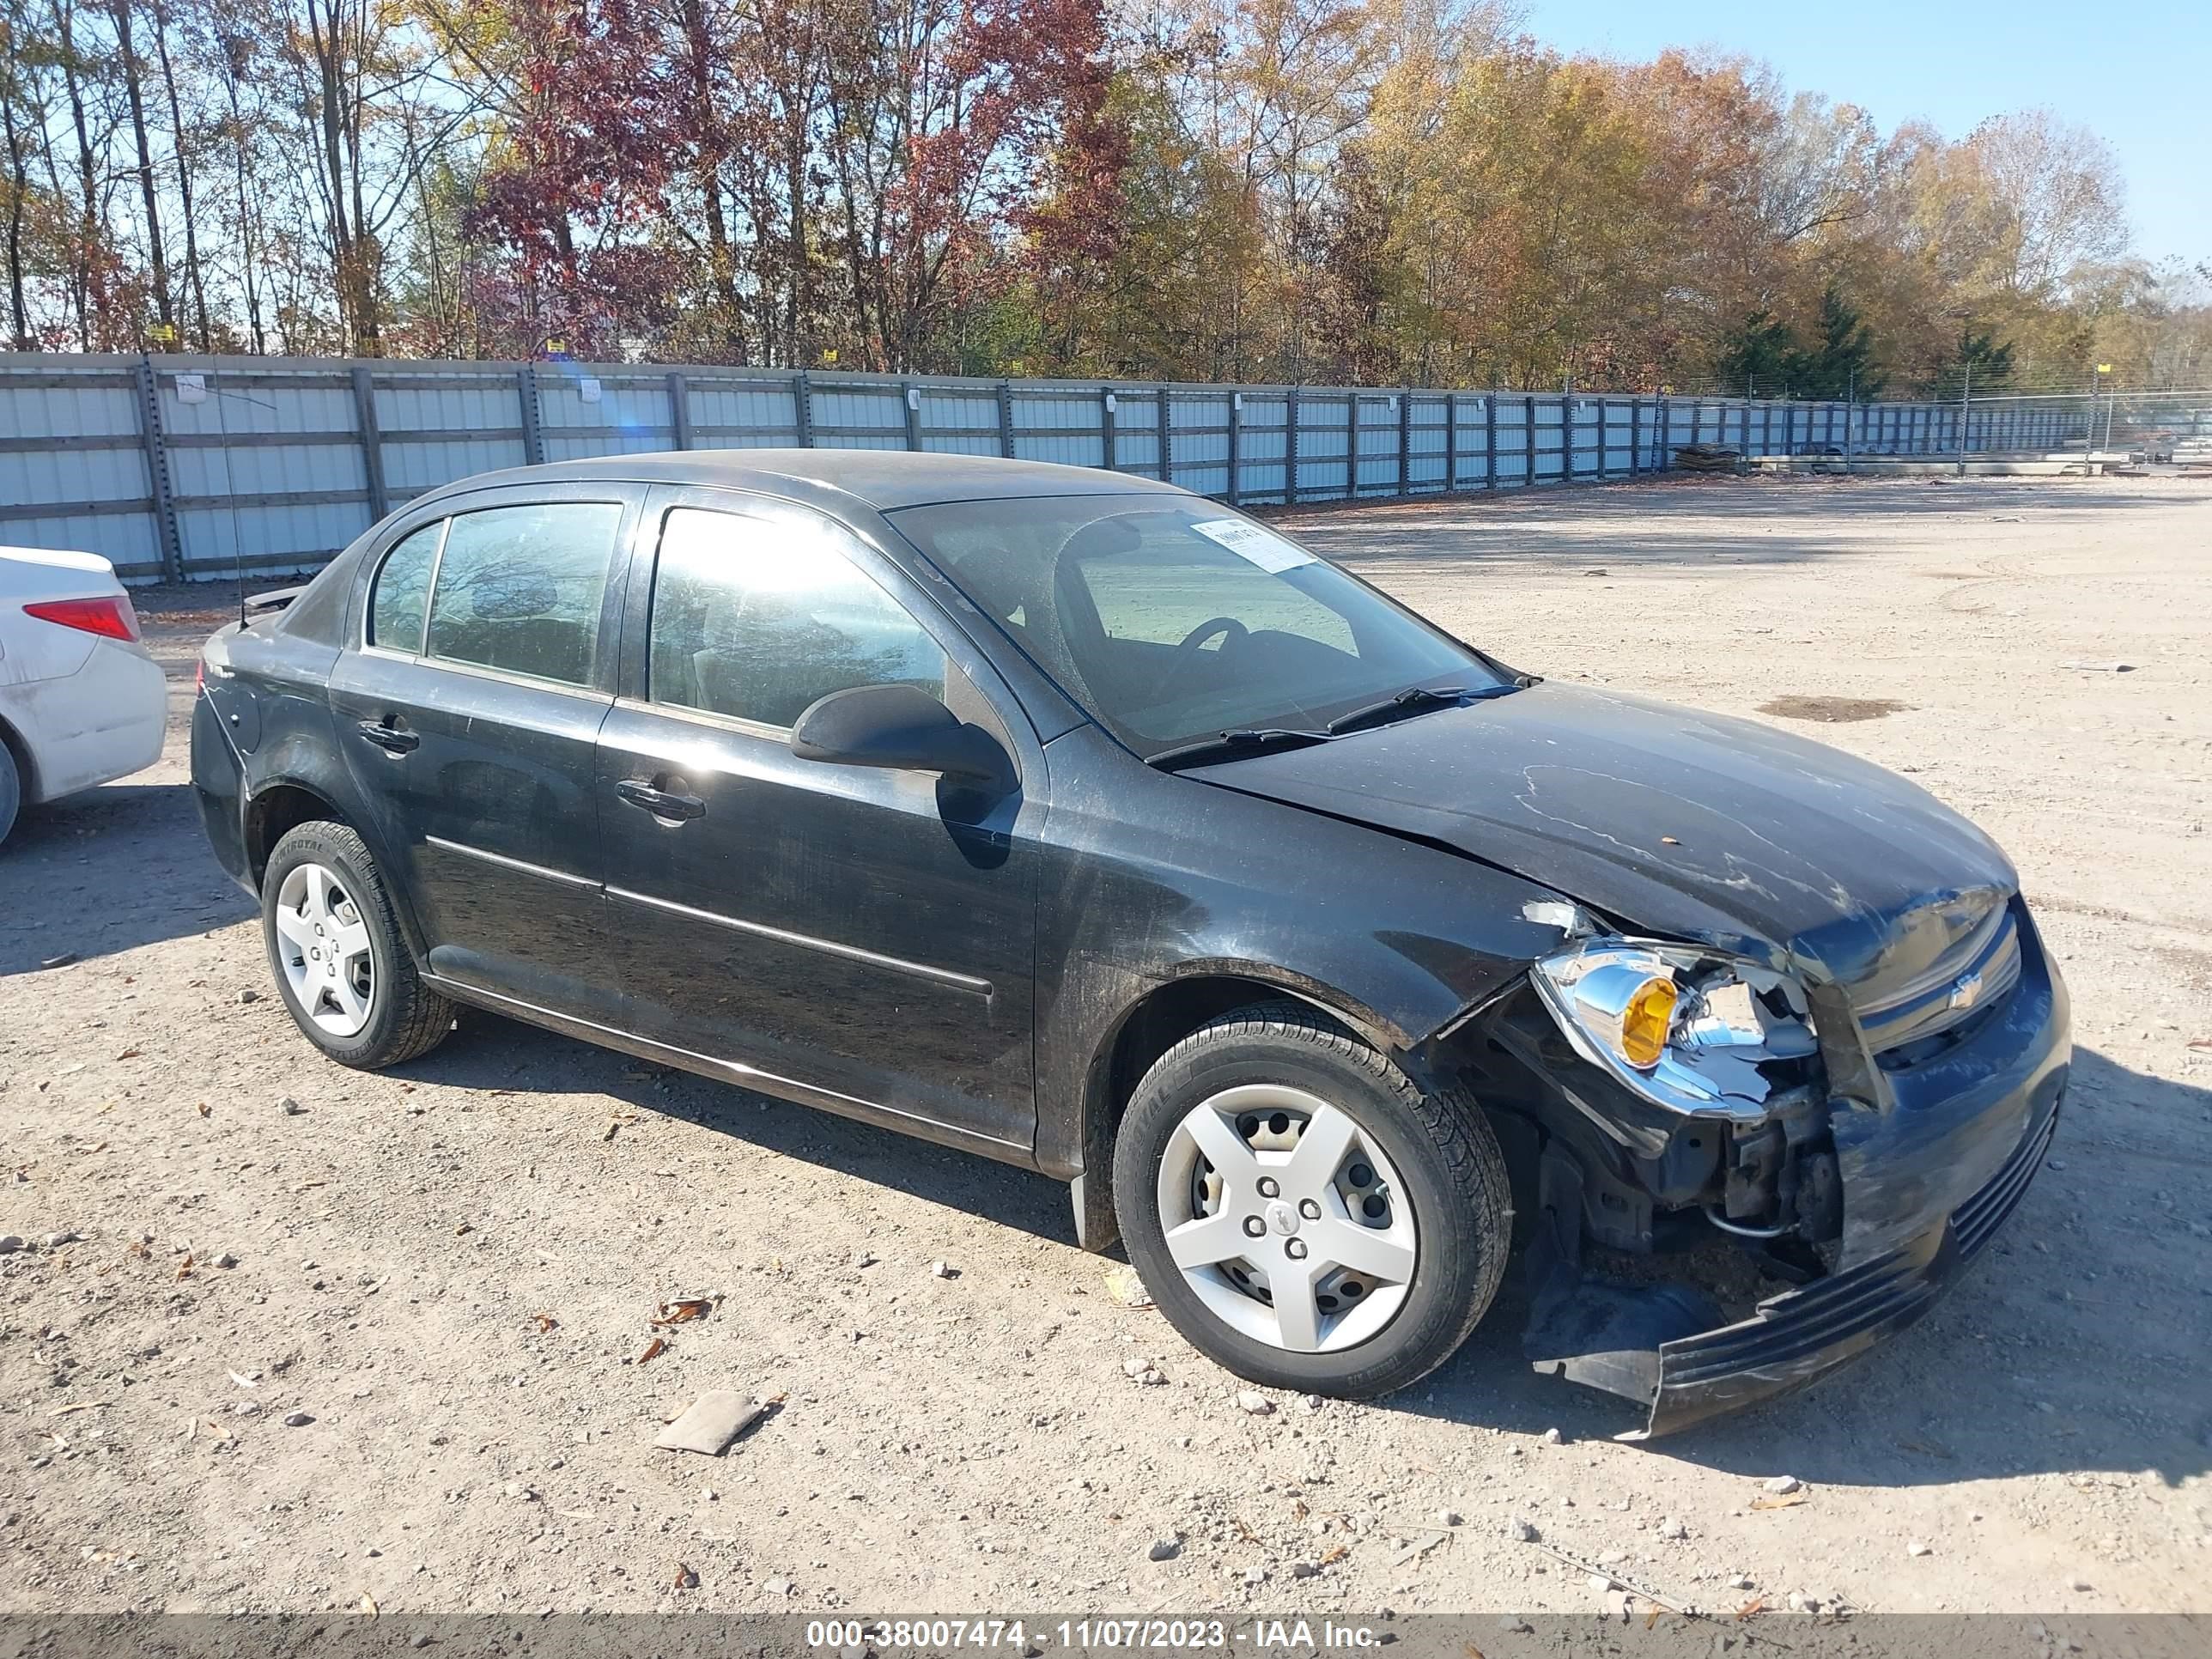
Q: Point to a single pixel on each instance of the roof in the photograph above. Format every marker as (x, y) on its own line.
(884, 479)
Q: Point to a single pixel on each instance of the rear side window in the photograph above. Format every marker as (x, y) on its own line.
(519, 589)
(402, 597)
(756, 619)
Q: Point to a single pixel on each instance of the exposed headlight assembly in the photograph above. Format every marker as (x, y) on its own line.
(1692, 1029)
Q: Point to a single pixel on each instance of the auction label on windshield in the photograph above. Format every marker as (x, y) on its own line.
(1255, 542)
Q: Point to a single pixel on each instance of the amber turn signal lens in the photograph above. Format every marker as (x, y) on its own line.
(1645, 1020)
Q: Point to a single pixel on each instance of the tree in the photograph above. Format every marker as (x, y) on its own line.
(1757, 357)
(1840, 361)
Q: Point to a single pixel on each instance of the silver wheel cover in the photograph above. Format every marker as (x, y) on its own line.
(1268, 1219)
(322, 951)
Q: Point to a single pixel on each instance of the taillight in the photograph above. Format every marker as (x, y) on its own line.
(110, 618)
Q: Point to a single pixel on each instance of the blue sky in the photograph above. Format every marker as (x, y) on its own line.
(2141, 76)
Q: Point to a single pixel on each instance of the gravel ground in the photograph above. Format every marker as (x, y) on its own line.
(425, 1379)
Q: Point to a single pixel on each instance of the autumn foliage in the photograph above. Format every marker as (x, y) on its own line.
(1385, 191)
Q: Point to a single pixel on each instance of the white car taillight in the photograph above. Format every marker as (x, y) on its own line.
(111, 616)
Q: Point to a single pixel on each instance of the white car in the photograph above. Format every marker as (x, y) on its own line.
(81, 701)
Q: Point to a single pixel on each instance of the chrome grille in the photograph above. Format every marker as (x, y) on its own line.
(1978, 975)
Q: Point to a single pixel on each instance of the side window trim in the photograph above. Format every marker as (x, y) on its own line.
(630, 497)
(445, 523)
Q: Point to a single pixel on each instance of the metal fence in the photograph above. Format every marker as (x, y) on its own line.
(185, 467)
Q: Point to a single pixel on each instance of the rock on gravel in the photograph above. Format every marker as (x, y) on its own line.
(1524, 1532)
(1783, 1485)
(709, 1424)
(1672, 1529)
(1448, 1517)
(298, 1419)
(12, 1243)
(290, 1107)
(1164, 1549)
(1916, 1547)
(1253, 1400)
(225, 1258)
(1552, 1437)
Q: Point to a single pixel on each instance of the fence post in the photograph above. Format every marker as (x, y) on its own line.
(166, 539)
(802, 408)
(1006, 419)
(533, 432)
(371, 443)
(1351, 448)
(1236, 445)
(1566, 437)
(1490, 440)
(1291, 447)
(1107, 457)
(1167, 457)
(1451, 442)
(679, 408)
(1405, 441)
(910, 397)
(1604, 421)
(1635, 437)
(1528, 442)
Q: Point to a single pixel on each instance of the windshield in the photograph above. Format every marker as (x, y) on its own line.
(1173, 620)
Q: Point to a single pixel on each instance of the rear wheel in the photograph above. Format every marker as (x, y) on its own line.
(1304, 1214)
(11, 790)
(341, 963)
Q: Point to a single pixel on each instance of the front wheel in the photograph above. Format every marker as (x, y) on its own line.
(1303, 1212)
(347, 977)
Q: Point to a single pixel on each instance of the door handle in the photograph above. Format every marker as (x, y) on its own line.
(661, 803)
(392, 738)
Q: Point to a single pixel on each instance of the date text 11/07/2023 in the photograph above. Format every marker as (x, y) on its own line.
(1137, 1635)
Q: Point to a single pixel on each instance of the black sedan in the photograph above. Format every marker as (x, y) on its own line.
(1082, 823)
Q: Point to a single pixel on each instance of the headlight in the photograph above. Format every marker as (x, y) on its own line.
(1694, 1030)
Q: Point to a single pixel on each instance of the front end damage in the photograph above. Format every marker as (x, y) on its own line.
(1851, 1148)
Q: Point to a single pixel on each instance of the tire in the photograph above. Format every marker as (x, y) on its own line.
(1431, 1159)
(11, 790)
(371, 1009)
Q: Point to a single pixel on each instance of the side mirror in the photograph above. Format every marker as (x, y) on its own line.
(900, 728)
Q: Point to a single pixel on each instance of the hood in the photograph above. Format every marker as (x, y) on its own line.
(1679, 823)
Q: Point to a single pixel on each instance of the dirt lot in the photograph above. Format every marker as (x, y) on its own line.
(451, 1269)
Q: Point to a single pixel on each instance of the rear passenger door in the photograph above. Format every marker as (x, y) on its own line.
(841, 929)
(469, 710)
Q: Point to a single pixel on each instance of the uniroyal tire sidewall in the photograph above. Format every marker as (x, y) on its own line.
(316, 845)
(1447, 1275)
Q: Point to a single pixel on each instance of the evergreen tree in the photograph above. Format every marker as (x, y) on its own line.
(1841, 364)
(1755, 356)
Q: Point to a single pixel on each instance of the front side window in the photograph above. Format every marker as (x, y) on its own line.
(757, 618)
(1172, 620)
(519, 589)
(402, 596)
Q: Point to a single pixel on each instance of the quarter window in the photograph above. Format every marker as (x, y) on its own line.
(401, 597)
(519, 589)
(756, 619)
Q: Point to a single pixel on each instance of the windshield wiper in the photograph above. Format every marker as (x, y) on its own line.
(1415, 700)
(1232, 745)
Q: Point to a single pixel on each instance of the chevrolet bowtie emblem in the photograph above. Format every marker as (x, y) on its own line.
(1967, 992)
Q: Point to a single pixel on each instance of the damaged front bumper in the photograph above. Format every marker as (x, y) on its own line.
(1802, 1335)
(1928, 1177)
